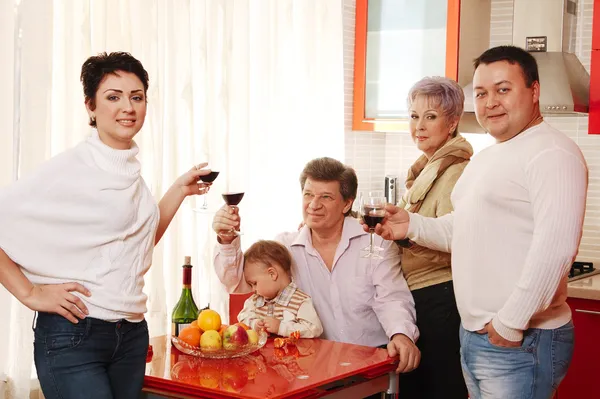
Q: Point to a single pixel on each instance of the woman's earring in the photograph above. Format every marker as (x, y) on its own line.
(93, 118)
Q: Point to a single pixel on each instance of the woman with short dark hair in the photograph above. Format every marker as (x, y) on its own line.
(77, 238)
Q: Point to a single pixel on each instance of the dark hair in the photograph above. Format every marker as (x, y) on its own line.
(269, 253)
(329, 169)
(95, 68)
(514, 55)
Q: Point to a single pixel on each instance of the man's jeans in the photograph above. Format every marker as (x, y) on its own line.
(93, 359)
(532, 371)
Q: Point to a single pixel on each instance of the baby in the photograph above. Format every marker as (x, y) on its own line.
(277, 304)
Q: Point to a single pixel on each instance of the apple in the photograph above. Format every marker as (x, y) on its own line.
(234, 337)
(222, 329)
(244, 326)
(252, 337)
(210, 340)
(233, 378)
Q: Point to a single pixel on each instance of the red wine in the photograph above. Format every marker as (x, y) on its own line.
(372, 216)
(209, 178)
(233, 198)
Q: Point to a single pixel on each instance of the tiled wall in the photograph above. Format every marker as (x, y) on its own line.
(375, 155)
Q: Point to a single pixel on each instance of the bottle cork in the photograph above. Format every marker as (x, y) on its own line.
(187, 260)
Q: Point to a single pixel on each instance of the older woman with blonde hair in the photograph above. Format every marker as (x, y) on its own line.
(435, 108)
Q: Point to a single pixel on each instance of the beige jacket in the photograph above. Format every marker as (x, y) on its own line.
(430, 183)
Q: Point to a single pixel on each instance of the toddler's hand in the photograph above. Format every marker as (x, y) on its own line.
(260, 325)
(271, 324)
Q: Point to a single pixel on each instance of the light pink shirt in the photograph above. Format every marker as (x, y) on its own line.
(361, 301)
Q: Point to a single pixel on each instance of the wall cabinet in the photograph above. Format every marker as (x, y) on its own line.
(398, 42)
(582, 378)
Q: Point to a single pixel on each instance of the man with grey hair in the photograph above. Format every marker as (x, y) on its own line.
(515, 230)
(359, 300)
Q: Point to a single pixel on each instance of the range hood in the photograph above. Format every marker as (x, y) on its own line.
(549, 25)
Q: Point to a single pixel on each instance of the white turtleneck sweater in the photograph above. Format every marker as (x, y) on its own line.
(515, 230)
(85, 216)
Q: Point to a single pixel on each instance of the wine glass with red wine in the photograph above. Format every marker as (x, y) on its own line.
(209, 178)
(372, 211)
(233, 199)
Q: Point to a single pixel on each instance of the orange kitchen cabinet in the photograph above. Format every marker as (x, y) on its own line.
(582, 380)
(360, 121)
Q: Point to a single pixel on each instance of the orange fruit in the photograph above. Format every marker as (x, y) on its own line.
(190, 336)
(223, 327)
(244, 326)
(208, 319)
(194, 324)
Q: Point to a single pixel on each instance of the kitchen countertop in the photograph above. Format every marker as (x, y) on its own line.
(587, 288)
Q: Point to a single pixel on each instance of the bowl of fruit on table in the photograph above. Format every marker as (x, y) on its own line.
(208, 338)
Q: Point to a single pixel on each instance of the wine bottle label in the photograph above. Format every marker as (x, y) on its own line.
(177, 327)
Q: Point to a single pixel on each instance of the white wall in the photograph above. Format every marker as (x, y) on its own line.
(375, 155)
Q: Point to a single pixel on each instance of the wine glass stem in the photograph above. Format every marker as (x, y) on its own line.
(371, 237)
(236, 210)
(205, 202)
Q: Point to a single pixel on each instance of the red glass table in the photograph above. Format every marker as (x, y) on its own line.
(315, 368)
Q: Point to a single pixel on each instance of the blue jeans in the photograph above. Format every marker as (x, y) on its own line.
(531, 371)
(93, 359)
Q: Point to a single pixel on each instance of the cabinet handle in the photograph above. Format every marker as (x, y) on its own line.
(587, 311)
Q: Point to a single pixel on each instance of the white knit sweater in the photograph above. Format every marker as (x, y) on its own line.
(85, 216)
(515, 230)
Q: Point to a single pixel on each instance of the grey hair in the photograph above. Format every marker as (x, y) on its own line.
(443, 93)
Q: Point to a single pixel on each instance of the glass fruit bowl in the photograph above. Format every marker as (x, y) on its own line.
(188, 349)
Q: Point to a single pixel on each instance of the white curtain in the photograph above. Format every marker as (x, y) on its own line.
(254, 87)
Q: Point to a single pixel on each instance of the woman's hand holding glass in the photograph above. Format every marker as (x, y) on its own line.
(189, 182)
(208, 179)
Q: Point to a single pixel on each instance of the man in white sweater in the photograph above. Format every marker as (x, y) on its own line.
(515, 230)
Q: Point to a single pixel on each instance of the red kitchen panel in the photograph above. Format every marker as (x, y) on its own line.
(594, 116)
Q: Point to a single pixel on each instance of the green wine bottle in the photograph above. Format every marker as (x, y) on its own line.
(186, 311)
